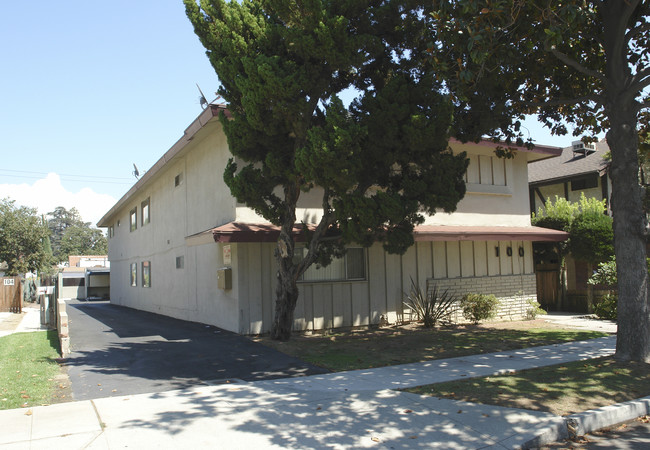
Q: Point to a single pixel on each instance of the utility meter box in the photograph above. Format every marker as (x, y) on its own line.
(224, 278)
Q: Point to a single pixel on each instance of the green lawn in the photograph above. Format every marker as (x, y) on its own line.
(366, 348)
(562, 389)
(28, 368)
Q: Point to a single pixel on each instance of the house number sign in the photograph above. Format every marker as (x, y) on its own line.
(9, 281)
(227, 258)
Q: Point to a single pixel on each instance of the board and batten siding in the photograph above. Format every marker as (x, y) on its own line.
(322, 305)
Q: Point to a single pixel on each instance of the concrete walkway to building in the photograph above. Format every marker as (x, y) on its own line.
(355, 409)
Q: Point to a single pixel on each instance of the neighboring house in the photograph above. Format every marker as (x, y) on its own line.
(88, 261)
(86, 277)
(580, 169)
(181, 245)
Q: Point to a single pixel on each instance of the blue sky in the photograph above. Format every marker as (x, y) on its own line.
(87, 89)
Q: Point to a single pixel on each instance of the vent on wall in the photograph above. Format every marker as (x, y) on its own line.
(580, 148)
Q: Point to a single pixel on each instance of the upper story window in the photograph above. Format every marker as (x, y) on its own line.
(133, 214)
(178, 179)
(146, 211)
(111, 232)
(350, 267)
(486, 170)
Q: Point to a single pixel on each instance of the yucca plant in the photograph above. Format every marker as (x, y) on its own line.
(430, 306)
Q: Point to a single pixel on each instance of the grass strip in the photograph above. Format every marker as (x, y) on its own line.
(28, 368)
(562, 389)
(363, 349)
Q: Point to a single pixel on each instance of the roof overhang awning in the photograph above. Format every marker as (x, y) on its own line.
(266, 232)
(427, 233)
(253, 232)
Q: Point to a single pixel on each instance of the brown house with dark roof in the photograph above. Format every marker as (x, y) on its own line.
(581, 168)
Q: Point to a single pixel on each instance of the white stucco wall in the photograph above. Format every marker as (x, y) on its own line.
(200, 202)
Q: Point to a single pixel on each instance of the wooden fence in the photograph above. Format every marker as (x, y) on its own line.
(11, 295)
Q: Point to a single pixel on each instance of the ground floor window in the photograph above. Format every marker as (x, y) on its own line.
(352, 266)
(146, 273)
(74, 282)
(134, 274)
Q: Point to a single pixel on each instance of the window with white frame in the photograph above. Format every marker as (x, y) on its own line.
(146, 273)
(180, 262)
(352, 266)
(134, 274)
(133, 214)
(146, 210)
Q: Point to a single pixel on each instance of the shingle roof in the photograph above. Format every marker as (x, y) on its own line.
(567, 165)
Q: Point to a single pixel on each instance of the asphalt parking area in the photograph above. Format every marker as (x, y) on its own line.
(119, 351)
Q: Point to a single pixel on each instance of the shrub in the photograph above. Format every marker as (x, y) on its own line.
(431, 306)
(477, 307)
(606, 307)
(534, 310)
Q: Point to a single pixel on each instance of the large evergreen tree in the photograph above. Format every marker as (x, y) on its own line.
(577, 61)
(378, 165)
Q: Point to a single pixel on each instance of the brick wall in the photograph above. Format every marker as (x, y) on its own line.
(513, 292)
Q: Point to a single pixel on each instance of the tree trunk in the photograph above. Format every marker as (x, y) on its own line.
(286, 292)
(621, 108)
(633, 339)
(285, 304)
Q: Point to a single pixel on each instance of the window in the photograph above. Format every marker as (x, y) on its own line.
(178, 179)
(118, 224)
(587, 182)
(180, 262)
(74, 282)
(145, 212)
(486, 170)
(134, 274)
(146, 273)
(351, 267)
(134, 218)
(111, 232)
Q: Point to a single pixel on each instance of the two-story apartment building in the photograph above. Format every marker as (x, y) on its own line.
(181, 245)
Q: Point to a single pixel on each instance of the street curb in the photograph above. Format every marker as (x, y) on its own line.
(579, 424)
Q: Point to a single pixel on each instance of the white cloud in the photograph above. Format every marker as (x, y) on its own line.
(48, 193)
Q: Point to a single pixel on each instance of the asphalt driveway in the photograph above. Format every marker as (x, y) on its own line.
(118, 351)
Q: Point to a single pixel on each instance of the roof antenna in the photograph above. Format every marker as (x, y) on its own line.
(136, 172)
(202, 100)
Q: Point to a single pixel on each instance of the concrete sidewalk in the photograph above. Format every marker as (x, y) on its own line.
(354, 409)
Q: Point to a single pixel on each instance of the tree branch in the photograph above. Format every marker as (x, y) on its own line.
(575, 64)
(568, 101)
(641, 80)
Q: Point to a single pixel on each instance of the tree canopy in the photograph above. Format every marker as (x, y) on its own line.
(377, 164)
(70, 235)
(23, 238)
(580, 62)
